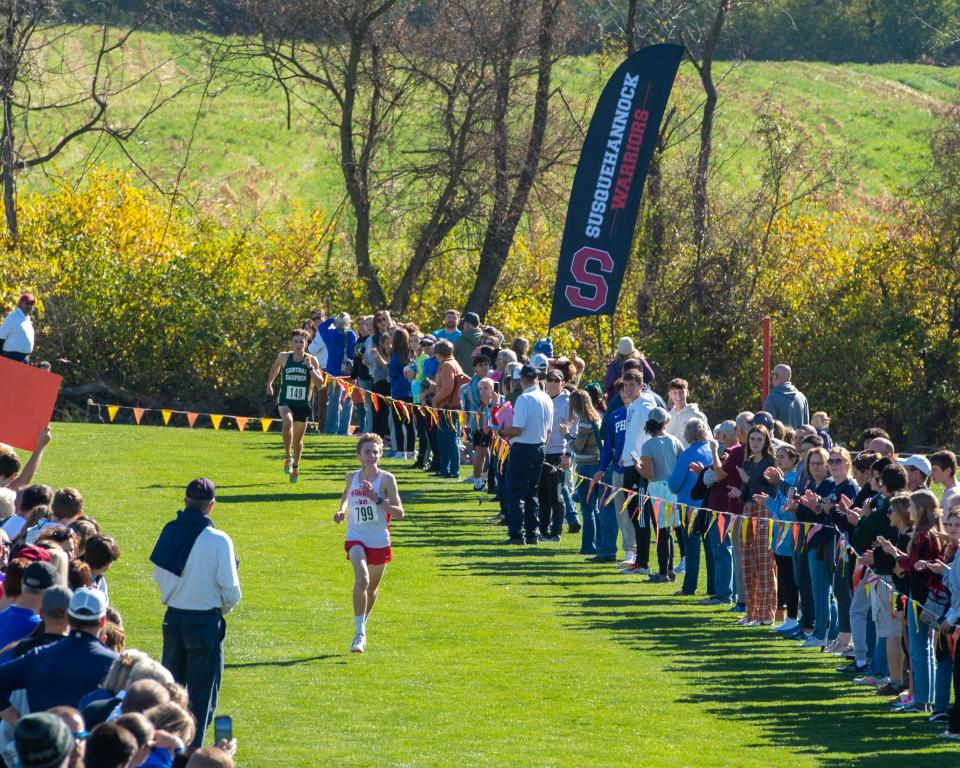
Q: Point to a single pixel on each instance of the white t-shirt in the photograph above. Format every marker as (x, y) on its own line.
(949, 496)
(16, 332)
(533, 413)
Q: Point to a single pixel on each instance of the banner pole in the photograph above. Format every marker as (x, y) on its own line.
(765, 373)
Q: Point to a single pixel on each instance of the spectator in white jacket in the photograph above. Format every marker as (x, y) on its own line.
(681, 411)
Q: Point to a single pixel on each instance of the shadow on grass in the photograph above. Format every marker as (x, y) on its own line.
(281, 662)
(795, 698)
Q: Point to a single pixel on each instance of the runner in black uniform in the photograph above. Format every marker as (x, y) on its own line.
(300, 371)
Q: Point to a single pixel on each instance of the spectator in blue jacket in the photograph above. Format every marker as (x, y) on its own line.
(340, 341)
(614, 429)
(63, 673)
(697, 455)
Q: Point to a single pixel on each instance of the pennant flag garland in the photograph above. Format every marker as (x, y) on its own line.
(191, 418)
(215, 419)
(166, 413)
(265, 423)
(138, 414)
(241, 422)
(112, 411)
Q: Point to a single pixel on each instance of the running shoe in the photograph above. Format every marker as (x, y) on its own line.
(359, 643)
(948, 735)
(938, 717)
(294, 473)
(681, 566)
(812, 642)
(871, 680)
(287, 462)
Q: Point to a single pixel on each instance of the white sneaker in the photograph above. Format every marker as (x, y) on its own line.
(359, 643)
(627, 563)
(787, 625)
(409, 455)
(754, 623)
(681, 566)
(812, 642)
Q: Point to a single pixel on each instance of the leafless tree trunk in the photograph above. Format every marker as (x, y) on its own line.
(509, 205)
(704, 67)
(51, 97)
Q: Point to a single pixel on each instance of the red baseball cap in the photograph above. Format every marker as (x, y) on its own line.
(28, 298)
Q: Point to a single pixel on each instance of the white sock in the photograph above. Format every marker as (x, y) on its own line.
(360, 622)
(365, 620)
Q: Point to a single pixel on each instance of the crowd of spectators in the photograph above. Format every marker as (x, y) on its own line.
(848, 554)
(71, 692)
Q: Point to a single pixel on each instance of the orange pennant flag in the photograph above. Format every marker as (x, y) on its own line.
(265, 423)
(112, 411)
(753, 524)
(215, 419)
(374, 398)
(241, 422)
(138, 414)
(191, 418)
(796, 534)
(166, 413)
(721, 526)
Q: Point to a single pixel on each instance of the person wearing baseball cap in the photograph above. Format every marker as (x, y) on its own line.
(21, 619)
(195, 567)
(16, 331)
(62, 673)
(918, 470)
(56, 622)
(532, 420)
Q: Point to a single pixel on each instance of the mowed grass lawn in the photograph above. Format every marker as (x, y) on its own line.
(479, 654)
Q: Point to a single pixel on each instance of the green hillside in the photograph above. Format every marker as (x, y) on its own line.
(873, 119)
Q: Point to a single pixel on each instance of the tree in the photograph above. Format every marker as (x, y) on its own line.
(51, 93)
(329, 58)
(517, 162)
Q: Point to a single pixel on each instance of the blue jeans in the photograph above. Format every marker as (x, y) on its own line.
(365, 409)
(692, 573)
(609, 527)
(447, 444)
(523, 481)
(570, 511)
(921, 655)
(338, 413)
(589, 510)
(826, 624)
(722, 563)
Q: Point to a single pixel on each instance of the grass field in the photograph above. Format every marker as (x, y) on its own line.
(478, 654)
(873, 119)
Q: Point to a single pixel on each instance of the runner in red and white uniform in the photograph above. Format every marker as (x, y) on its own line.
(369, 502)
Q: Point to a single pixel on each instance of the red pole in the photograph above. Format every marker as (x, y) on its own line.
(765, 375)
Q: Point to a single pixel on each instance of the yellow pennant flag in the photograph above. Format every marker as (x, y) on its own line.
(744, 529)
(241, 422)
(138, 414)
(112, 411)
(215, 420)
(265, 423)
(166, 413)
(191, 418)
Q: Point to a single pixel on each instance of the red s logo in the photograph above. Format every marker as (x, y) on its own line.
(594, 300)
